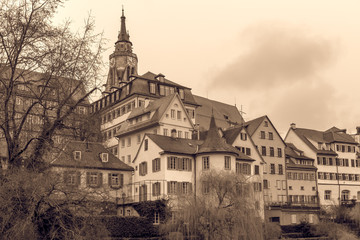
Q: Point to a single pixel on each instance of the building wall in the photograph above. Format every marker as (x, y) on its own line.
(277, 182)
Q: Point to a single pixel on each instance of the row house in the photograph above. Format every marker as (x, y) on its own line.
(166, 166)
(89, 171)
(335, 153)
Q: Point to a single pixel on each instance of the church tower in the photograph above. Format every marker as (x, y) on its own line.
(123, 62)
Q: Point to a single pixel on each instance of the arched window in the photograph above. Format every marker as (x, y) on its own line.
(345, 195)
(132, 71)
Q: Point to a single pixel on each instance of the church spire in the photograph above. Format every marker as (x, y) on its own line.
(123, 35)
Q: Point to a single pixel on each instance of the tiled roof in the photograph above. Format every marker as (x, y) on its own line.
(158, 107)
(291, 151)
(231, 134)
(175, 145)
(225, 114)
(214, 143)
(252, 125)
(90, 157)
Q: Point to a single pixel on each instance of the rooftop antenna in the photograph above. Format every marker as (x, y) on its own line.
(241, 110)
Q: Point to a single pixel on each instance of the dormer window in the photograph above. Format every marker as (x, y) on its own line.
(181, 93)
(104, 157)
(152, 88)
(77, 155)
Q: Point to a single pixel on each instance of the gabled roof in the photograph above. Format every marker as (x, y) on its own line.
(292, 151)
(225, 115)
(214, 143)
(90, 157)
(231, 134)
(329, 136)
(157, 108)
(252, 125)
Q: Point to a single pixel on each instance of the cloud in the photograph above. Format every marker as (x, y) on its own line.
(275, 55)
(312, 105)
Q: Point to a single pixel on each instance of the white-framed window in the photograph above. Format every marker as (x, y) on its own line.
(77, 155)
(152, 88)
(172, 187)
(172, 113)
(327, 195)
(206, 163)
(93, 179)
(172, 162)
(129, 142)
(165, 132)
(116, 180)
(104, 157)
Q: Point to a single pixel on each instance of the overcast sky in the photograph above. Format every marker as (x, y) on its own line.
(295, 61)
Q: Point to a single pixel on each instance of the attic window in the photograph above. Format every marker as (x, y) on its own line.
(181, 93)
(226, 117)
(77, 155)
(104, 157)
(266, 124)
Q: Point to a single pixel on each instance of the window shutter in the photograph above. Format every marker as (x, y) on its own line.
(145, 170)
(190, 164)
(153, 165)
(121, 176)
(78, 178)
(153, 189)
(169, 162)
(177, 162)
(159, 162)
(109, 179)
(168, 187)
(100, 180)
(190, 187)
(87, 178)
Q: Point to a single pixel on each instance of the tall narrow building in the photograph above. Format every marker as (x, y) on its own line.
(123, 62)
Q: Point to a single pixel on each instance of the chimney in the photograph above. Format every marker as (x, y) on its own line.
(160, 77)
(293, 126)
(358, 130)
(173, 133)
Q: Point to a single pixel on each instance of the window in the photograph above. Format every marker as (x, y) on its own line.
(162, 90)
(156, 189)
(143, 168)
(146, 144)
(138, 137)
(257, 187)
(129, 142)
(184, 164)
(278, 184)
(205, 187)
(279, 152)
(345, 195)
(191, 113)
(172, 113)
(248, 151)
(206, 163)
(262, 135)
(156, 217)
(156, 165)
(165, 132)
(257, 170)
(352, 163)
(172, 187)
(152, 88)
(271, 137)
(302, 188)
(77, 155)
(94, 179)
(129, 158)
(243, 136)
(178, 115)
(227, 161)
(186, 188)
(327, 195)
(266, 184)
(116, 180)
(187, 135)
(263, 150)
(122, 143)
(143, 193)
(179, 134)
(243, 168)
(289, 175)
(272, 168)
(281, 169)
(271, 151)
(104, 157)
(266, 123)
(172, 162)
(71, 178)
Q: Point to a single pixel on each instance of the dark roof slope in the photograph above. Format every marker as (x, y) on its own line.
(252, 125)
(175, 145)
(214, 143)
(90, 157)
(225, 115)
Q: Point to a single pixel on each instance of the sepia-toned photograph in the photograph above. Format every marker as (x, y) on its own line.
(179, 120)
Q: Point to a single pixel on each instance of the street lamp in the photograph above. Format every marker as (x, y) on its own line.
(123, 201)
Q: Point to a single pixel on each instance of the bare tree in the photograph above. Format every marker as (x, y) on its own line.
(46, 76)
(223, 209)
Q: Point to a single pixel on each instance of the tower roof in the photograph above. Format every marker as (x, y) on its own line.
(214, 143)
(123, 35)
